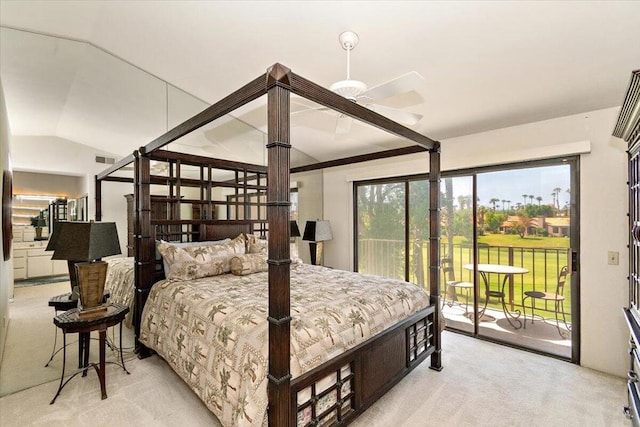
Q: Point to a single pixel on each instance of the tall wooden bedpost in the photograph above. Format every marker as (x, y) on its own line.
(98, 187)
(144, 244)
(434, 251)
(278, 206)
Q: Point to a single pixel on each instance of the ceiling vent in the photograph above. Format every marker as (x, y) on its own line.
(105, 160)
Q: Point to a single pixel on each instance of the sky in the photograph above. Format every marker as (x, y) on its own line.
(512, 184)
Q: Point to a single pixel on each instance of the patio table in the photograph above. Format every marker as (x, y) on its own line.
(507, 271)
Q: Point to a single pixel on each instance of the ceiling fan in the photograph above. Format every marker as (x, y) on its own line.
(359, 92)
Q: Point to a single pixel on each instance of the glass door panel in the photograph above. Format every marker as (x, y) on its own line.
(457, 242)
(523, 247)
(381, 229)
(419, 233)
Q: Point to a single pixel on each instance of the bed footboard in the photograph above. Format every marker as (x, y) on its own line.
(341, 389)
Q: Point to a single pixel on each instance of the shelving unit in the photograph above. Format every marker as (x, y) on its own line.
(628, 128)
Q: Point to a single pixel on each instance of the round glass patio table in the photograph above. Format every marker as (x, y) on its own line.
(507, 271)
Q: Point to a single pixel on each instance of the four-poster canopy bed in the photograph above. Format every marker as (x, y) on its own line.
(358, 376)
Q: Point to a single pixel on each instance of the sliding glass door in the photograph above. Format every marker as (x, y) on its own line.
(524, 252)
(508, 241)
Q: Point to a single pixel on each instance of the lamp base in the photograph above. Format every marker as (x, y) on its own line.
(91, 278)
(93, 311)
(316, 253)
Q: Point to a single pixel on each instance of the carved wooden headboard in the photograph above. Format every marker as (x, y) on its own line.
(224, 229)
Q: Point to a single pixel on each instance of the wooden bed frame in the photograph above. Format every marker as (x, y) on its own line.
(374, 366)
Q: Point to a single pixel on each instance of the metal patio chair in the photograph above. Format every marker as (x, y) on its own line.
(451, 284)
(557, 298)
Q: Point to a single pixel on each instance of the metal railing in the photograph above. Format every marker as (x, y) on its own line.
(386, 257)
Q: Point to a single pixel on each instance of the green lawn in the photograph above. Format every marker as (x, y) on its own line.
(542, 256)
(526, 242)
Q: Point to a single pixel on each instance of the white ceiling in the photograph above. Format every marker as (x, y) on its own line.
(486, 65)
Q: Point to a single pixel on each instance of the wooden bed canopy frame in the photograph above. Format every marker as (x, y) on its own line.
(378, 363)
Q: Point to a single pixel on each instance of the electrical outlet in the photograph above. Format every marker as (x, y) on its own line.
(613, 258)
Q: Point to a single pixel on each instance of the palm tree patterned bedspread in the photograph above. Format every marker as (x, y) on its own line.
(120, 283)
(213, 330)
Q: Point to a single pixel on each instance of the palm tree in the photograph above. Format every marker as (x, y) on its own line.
(524, 196)
(493, 202)
(215, 309)
(357, 319)
(323, 324)
(508, 205)
(531, 198)
(461, 202)
(503, 202)
(539, 199)
(225, 376)
(557, 191)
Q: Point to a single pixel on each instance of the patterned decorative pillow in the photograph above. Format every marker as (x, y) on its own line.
(256, 246)
(172, 254)
(165, 264)
(230, 249)
(249, 263)
(185, 266)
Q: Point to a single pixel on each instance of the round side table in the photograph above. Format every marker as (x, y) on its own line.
(74, 321)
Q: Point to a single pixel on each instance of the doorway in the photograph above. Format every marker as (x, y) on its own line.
(508, 239)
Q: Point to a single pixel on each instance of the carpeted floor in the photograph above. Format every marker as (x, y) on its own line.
(30, 340)
(482, 384)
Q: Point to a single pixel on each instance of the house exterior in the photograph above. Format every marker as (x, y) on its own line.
(553, 226)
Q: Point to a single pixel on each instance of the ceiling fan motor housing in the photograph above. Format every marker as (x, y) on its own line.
(350, 89)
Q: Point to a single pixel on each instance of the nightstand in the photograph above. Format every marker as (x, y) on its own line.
(64, 302)
(72, 321)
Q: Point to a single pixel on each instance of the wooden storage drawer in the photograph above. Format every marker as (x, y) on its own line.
(19, 262)
(633, 386)
(19, 253)
(38, 252)
(631, 411)
(19, 273)
(60, 267)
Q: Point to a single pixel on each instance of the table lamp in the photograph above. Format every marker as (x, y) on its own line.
(82, 245)
(317, 232)
(295, 231)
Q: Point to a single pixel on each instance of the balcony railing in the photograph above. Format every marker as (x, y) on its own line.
(385, 257)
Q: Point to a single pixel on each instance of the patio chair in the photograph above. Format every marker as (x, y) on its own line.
(451, 284)
(557, 298)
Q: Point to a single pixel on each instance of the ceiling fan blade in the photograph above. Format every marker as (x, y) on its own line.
(400, 116)
(402, 84)
(301, 105)
(343, 124)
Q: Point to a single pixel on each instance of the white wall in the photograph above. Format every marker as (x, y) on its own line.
(50, 154)
(603, 208)
(6, 267)
(309, 206)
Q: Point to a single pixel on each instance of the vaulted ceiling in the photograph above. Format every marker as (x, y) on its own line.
(486, 65)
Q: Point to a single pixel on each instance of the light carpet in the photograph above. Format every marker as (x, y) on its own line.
(30, 340)
(482, 384)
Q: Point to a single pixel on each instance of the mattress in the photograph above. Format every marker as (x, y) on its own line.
(214, 334)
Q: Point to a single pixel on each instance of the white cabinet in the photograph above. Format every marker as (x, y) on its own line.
(19, 263)
(60, 267)
(39, 263)
(31, 260)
